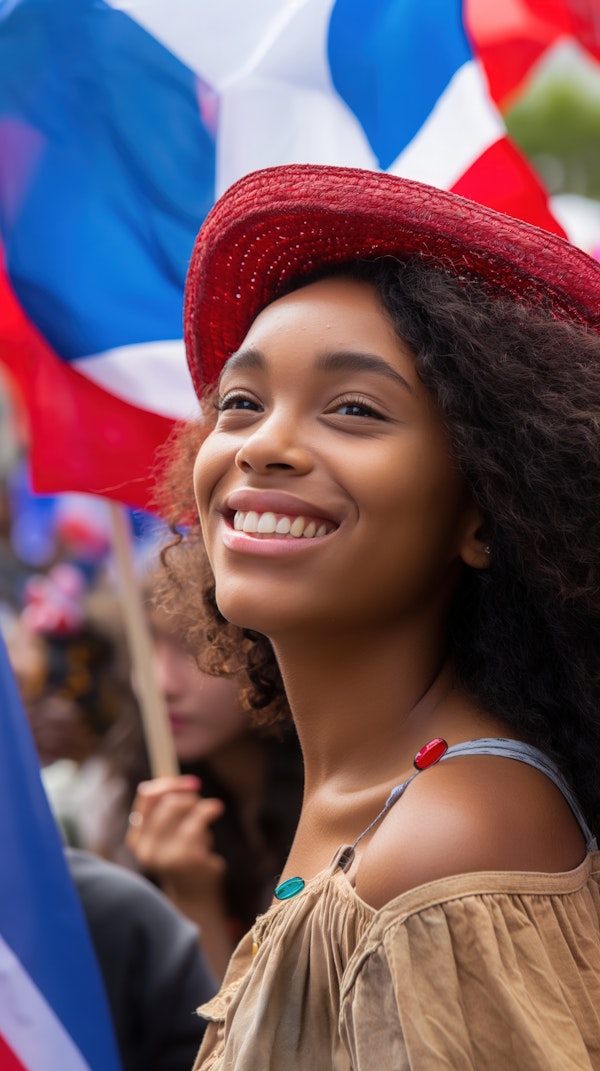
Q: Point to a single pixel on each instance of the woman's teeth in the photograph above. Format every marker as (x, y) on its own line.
(279, 525)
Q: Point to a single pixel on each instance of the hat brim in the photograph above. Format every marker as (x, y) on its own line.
(281, 223)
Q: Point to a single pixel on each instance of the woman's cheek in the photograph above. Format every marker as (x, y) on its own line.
(202, 476)
(209, 468)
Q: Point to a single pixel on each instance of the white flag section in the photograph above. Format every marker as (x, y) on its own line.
(462, 125)
(152, 375)
(264, 71)
(267, 62)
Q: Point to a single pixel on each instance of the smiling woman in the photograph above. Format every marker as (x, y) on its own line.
(330, 408)
(397, 484)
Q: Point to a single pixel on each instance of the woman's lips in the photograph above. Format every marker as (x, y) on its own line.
(277, 515)
(280, 525)
(272, 522)
(274, 544)
(177, 721)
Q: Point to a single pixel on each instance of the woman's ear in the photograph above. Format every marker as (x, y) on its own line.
(476, 548)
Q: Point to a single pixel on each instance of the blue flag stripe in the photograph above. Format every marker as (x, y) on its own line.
(41, 918)
(390, 62)
(116, 171)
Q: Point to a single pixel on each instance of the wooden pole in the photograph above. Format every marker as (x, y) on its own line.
(157, 732)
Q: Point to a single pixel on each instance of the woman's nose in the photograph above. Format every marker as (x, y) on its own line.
(276, 444)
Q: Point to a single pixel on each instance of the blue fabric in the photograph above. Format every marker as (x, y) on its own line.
(391, 60)
(41, 918)
(100, 199)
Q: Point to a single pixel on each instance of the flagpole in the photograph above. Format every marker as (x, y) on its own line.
(159, 740)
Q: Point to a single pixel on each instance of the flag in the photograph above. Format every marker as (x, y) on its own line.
(511, 38)
(53, 1010)
(121, 121)
(82, 436)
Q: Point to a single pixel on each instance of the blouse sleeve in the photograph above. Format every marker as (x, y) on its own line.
(477, 982)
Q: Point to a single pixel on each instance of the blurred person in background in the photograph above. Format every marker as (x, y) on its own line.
(216, 836)
(71, 665)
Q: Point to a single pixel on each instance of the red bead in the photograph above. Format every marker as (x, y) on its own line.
(430, 754)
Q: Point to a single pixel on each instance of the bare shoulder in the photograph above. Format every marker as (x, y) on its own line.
(468, 814)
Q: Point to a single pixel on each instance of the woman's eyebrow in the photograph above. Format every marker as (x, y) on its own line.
(242, 360)
(335, 361)
(357, 361)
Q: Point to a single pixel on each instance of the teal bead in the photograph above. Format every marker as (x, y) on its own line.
(289, 888)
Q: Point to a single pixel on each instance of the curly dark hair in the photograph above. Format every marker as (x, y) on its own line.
(519, 393)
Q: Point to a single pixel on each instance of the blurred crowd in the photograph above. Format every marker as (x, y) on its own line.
(171, 871)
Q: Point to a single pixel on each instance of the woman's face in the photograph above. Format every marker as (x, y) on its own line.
(326, 493)
(203, 711)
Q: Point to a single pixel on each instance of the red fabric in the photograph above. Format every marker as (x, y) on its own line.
(81, 437)
(277, 224)
(502, 179)
(511, 36)
(8, 1060)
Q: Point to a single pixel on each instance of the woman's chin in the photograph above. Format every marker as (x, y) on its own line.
(245, 613)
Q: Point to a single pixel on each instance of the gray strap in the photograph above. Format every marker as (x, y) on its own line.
(508, 749)
(516, 749)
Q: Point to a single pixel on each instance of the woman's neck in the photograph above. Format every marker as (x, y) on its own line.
(362, 713)
(359, 706)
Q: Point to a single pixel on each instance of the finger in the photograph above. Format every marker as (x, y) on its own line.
(148, 792)
(158, 786)
(208, 810)
(194, 834)
(177, 825)
(179, 816)
(161, 815)
(176, 835)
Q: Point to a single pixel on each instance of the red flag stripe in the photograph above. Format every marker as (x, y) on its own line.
(120, 439)
(503, 179)
(8, 1060)
(511, 37)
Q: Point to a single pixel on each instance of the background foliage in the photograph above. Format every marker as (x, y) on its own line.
(557, 123)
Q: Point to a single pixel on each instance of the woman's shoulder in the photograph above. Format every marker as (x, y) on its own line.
(480, 971)
(471, 814)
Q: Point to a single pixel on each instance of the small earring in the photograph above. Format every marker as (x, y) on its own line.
(487, 549)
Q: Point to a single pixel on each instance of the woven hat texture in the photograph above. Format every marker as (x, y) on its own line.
(281, 223)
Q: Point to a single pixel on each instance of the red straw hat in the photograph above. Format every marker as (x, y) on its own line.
(276, 225)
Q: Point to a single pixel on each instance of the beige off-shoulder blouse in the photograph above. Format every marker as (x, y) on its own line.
(479, 972)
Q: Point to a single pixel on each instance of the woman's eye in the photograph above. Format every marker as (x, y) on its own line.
(235, 401)
(357, 408)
